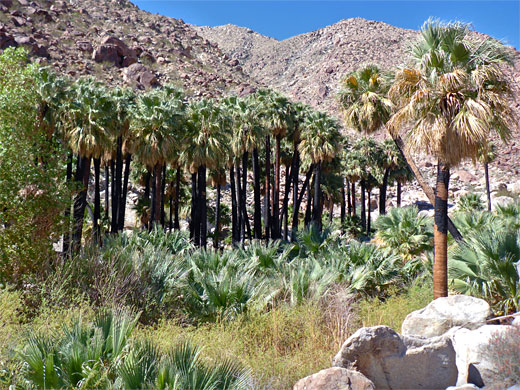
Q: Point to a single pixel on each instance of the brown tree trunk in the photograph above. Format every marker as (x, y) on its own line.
(158, 192)
(399, 194)
(488, 192)
(440, 233)
(428, 191)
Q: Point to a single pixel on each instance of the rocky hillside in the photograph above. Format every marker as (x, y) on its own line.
(309, 67)
(115, 41)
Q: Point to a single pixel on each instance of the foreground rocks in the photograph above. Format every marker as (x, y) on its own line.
(392, 361)
(335, 378)
(446, 345)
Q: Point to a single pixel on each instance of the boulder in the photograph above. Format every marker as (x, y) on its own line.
(394, 362)
(138, 73)
(501, 201)
(445, 313)
(7, 3)
(85, 46)
(6, 41)
(115, 51)
(474, 362)
(516, 321)
(335, 378)
(467, 386)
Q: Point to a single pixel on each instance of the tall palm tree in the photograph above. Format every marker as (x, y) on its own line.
(85, 119)
(451, 100)
(277, 118)
(155, 121)
(390, 159)
(319, 143)
(207, 143)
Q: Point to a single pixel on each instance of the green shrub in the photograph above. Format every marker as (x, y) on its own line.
(470, 202)
(405, 231)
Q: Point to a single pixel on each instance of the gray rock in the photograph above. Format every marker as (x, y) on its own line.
(516, 321)
(444, 313)
(138, 73)
(335, 378)
(472, 358)
(394, 362)
(467, 386)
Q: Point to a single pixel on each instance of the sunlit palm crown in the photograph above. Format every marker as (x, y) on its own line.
(208, 138)
(363, 99)
(455, 94)
(320, 137)
(275, 111)
(156, 125)
(86, 117)
(247, 129)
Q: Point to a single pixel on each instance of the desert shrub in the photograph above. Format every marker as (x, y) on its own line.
(504, 350)
(32, 194)
(405, 231)
(470, 202)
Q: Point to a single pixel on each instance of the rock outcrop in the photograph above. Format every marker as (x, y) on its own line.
(392, 361)
(335, 378)
(445, 313)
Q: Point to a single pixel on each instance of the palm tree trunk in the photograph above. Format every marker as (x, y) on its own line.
(124, 193)
(217, 219)
(267, 188)
(399, 194)
(488, 192)
(107, 190)
(170, 210)
(331, 212)
(158, 191)
(119, 179)
(369, 218)
(241, 221)
(147, 185)
(295, 177)
(440, 233)
(285, 203)
(307, 218)
(382, 193)
(202, 207)
(257, 223)
(428, 191)
(113, 200)
(80, 202)
(296, 211)
(342, 210)
(349, 200)
(163, 189)
(316, 212)
(245, 217)
(363, 206)
(354, 212)
(194, 235)
(177, 225)
(97, 201)
(66, 233)
(276, 191)
(234, 206)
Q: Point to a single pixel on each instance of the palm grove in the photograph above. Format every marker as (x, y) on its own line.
(284, 155)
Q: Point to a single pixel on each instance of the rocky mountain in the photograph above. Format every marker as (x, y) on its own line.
(115, 41)
(309, 68)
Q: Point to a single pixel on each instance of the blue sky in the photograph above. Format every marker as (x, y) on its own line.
(283, 19)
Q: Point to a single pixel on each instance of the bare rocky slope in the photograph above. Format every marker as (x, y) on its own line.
(117, 42)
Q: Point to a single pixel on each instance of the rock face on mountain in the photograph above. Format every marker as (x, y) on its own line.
(310, 66)
(106, 38)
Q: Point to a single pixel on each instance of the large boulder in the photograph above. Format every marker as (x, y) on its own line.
(394, 362)
(476, 363)
(335, 378)
(115, 51)
(445, 313)
(139, 74)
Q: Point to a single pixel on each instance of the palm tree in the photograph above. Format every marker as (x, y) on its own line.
(155, 121)
(319, 143)
(85, 120)
(391, 158)
(452, 99)
(207, 143)
(276, 117)
(487, 155)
